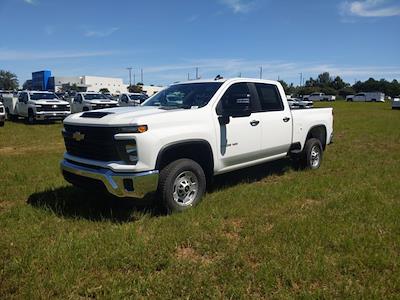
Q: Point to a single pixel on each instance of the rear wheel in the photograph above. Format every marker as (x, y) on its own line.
(181, 186)
(312, 154)
(1, 123)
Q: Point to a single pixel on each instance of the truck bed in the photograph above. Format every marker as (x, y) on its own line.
(304, 119)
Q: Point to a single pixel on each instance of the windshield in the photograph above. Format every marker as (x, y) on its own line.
(95, 96)
(190, 95)
(41, 96)
(137, 97)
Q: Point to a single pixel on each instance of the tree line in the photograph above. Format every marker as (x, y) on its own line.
(325, 83)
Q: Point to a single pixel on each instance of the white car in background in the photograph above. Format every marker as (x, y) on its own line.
(2, 114)
(91, 101)
(368, 97)
(132, 99)
(320, 97)
(396, 103)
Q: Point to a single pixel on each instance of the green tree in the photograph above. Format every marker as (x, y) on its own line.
(135, 88)
(104, 90)
(8, 80)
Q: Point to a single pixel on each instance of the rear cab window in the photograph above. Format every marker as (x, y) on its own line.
(269, 97)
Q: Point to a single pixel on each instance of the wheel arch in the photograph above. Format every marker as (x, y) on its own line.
(319, 132)
(197, 149)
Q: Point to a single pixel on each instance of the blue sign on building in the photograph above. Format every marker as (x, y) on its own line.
(41, 80)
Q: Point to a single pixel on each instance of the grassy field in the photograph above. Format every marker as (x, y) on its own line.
(265, 232)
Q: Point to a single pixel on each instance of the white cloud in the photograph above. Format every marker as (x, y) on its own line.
(370, 8)
(31, 2)
(11, 55)
(239, 6)
(101, 33)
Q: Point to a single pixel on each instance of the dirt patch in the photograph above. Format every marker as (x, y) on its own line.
(32, 149)
(190, 254)
(232, 228)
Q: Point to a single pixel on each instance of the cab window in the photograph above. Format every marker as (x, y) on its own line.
(236, 98)
(270, 99)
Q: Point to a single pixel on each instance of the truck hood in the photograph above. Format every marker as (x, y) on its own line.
(102, 101)
(120, 116)
(49, 102)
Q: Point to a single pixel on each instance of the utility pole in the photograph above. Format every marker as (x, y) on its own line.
(197, 72)
(141, 76)
(188, 76)
(261, 72)
(130, 75)
(301, 79)
(134, 77)
(240, 74)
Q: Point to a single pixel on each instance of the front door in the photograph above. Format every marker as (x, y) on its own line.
(239, 140)
(77, 105)
(23, 104)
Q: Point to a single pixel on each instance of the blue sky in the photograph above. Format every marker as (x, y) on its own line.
(168, 39)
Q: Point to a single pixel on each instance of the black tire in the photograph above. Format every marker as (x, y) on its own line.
(175, 186)
(1, 124)
(312, 154)
(31, 117)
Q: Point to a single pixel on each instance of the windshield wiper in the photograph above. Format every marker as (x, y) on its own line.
(176, 107)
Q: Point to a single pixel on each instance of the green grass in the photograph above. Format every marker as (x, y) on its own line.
(265, 232)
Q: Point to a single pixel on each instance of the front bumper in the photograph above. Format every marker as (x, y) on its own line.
(54, 115)
(135, 185)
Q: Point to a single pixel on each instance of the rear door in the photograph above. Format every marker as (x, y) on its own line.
(239, 140)
(275, 120)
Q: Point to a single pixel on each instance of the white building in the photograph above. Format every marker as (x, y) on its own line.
(95, 84)
(150, 90)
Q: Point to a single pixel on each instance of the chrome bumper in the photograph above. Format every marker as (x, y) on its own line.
(56, 115)
(135, 185)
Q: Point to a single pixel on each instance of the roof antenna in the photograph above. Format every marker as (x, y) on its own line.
(218, 77)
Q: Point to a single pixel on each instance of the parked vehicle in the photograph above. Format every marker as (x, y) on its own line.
(178, 139)
(91, 101)
(396, 103)
(2, 93)
(2, 114)
(320, 97)
(367, 97)
(36, 105)
(299, 103)
(132, 99)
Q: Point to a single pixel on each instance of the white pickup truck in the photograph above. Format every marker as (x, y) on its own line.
(320, 97)
(36, 105)
(91, 101)
(179, 138)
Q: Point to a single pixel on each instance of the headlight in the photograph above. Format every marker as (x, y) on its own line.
(134, 129)
(38, 107)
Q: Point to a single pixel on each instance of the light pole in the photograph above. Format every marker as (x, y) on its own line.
(130, 75)
(261, 72)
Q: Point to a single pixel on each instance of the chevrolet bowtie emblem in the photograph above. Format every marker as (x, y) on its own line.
(77, 136)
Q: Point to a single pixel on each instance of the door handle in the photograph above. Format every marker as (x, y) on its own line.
(254, 123)
(286, 119)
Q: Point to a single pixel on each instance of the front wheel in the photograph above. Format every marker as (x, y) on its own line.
(2, 124)
(31, 117)
(181, 185)
(312, 154)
